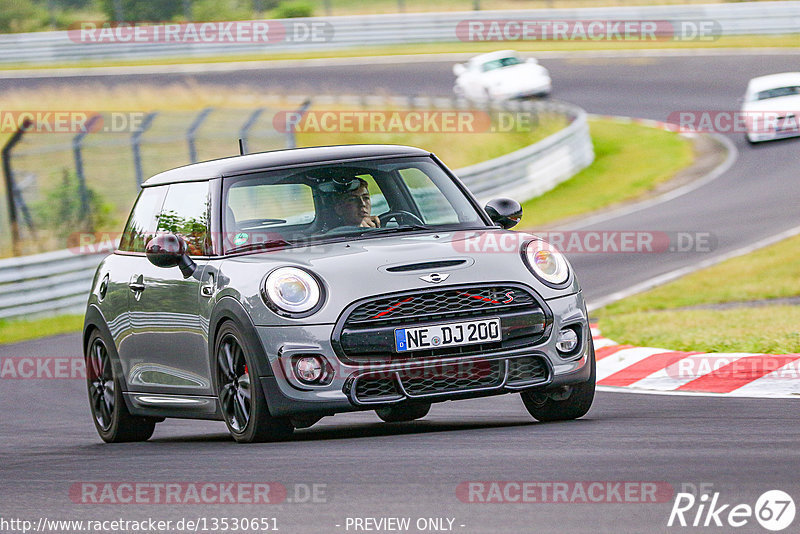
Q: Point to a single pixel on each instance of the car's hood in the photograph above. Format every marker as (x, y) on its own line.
(780, 104)
(360, 268)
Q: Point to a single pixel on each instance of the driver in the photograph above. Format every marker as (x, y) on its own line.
(354, 207)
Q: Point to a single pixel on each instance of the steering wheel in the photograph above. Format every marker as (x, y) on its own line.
(400, 217)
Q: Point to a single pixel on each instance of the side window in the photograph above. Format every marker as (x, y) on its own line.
(142, 222)
(185, 213)
(432, 204)
(254, 207)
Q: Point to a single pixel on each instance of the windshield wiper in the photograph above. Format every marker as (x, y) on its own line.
(263, 245)
(395, 229)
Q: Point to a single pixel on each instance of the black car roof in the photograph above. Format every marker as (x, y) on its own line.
(278, 158)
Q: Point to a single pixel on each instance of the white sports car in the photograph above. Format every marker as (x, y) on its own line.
(501, 75)
(772, 107)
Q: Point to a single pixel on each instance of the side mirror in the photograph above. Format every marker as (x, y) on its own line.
(459, 69)
(532, 60)
(169, 250)
(504, 212)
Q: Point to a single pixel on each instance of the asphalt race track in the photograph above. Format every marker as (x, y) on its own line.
(743, 447)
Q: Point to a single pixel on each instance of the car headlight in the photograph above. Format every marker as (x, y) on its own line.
(548, 264)
(292, 290)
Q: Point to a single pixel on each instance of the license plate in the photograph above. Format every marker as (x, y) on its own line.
(447, 335)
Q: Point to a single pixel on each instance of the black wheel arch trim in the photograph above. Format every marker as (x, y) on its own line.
(230, 309)
(94, 320)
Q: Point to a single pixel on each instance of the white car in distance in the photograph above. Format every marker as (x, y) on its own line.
(501, 75)
(771, 107)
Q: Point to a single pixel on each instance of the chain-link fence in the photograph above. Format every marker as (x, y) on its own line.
(87, 179)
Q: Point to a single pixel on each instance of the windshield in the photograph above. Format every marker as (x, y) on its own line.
(297, 206)
(500, 63)
(778, 92)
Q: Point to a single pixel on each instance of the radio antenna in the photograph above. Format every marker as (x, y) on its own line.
(241, 147)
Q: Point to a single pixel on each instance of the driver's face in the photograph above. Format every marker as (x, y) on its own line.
(354, 206)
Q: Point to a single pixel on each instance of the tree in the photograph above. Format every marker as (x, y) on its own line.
(19, 16)
(135, 10)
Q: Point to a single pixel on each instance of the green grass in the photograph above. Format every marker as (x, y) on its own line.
(767, 273)
(769, 330)
(651, 318)
(630, 160)
(12, 331)
(737, 41)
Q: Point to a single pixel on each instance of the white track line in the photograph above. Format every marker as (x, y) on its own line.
(683, 271)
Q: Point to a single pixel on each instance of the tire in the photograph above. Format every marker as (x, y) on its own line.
(242, 401)
(111, 417)
(549, 406)
(401, 413)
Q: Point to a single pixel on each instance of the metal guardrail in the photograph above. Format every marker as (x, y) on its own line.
(538, 168)
(58, 282)
(739, 18)
(53, 282)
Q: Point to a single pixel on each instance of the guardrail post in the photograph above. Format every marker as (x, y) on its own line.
(119, 14)
(10, 189)
(191, 133)
(187, 10)
(248, 124)
(291, 138)
(136, 141)
(77, 145)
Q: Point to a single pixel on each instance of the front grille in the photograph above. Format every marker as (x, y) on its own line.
(377, 387)
(450, 378)
(455, 377)
(365, 333)
(529, 369)
(446, 303)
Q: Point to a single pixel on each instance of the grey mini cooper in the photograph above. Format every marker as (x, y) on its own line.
(270, 290)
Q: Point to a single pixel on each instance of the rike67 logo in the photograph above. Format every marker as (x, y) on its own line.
(774, 510)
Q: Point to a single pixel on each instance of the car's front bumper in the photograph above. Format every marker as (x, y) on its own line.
(772, 135)
(541, 89)
(286, 396)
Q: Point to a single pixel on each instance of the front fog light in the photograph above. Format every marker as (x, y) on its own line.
(567, 341)
(309, 369)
